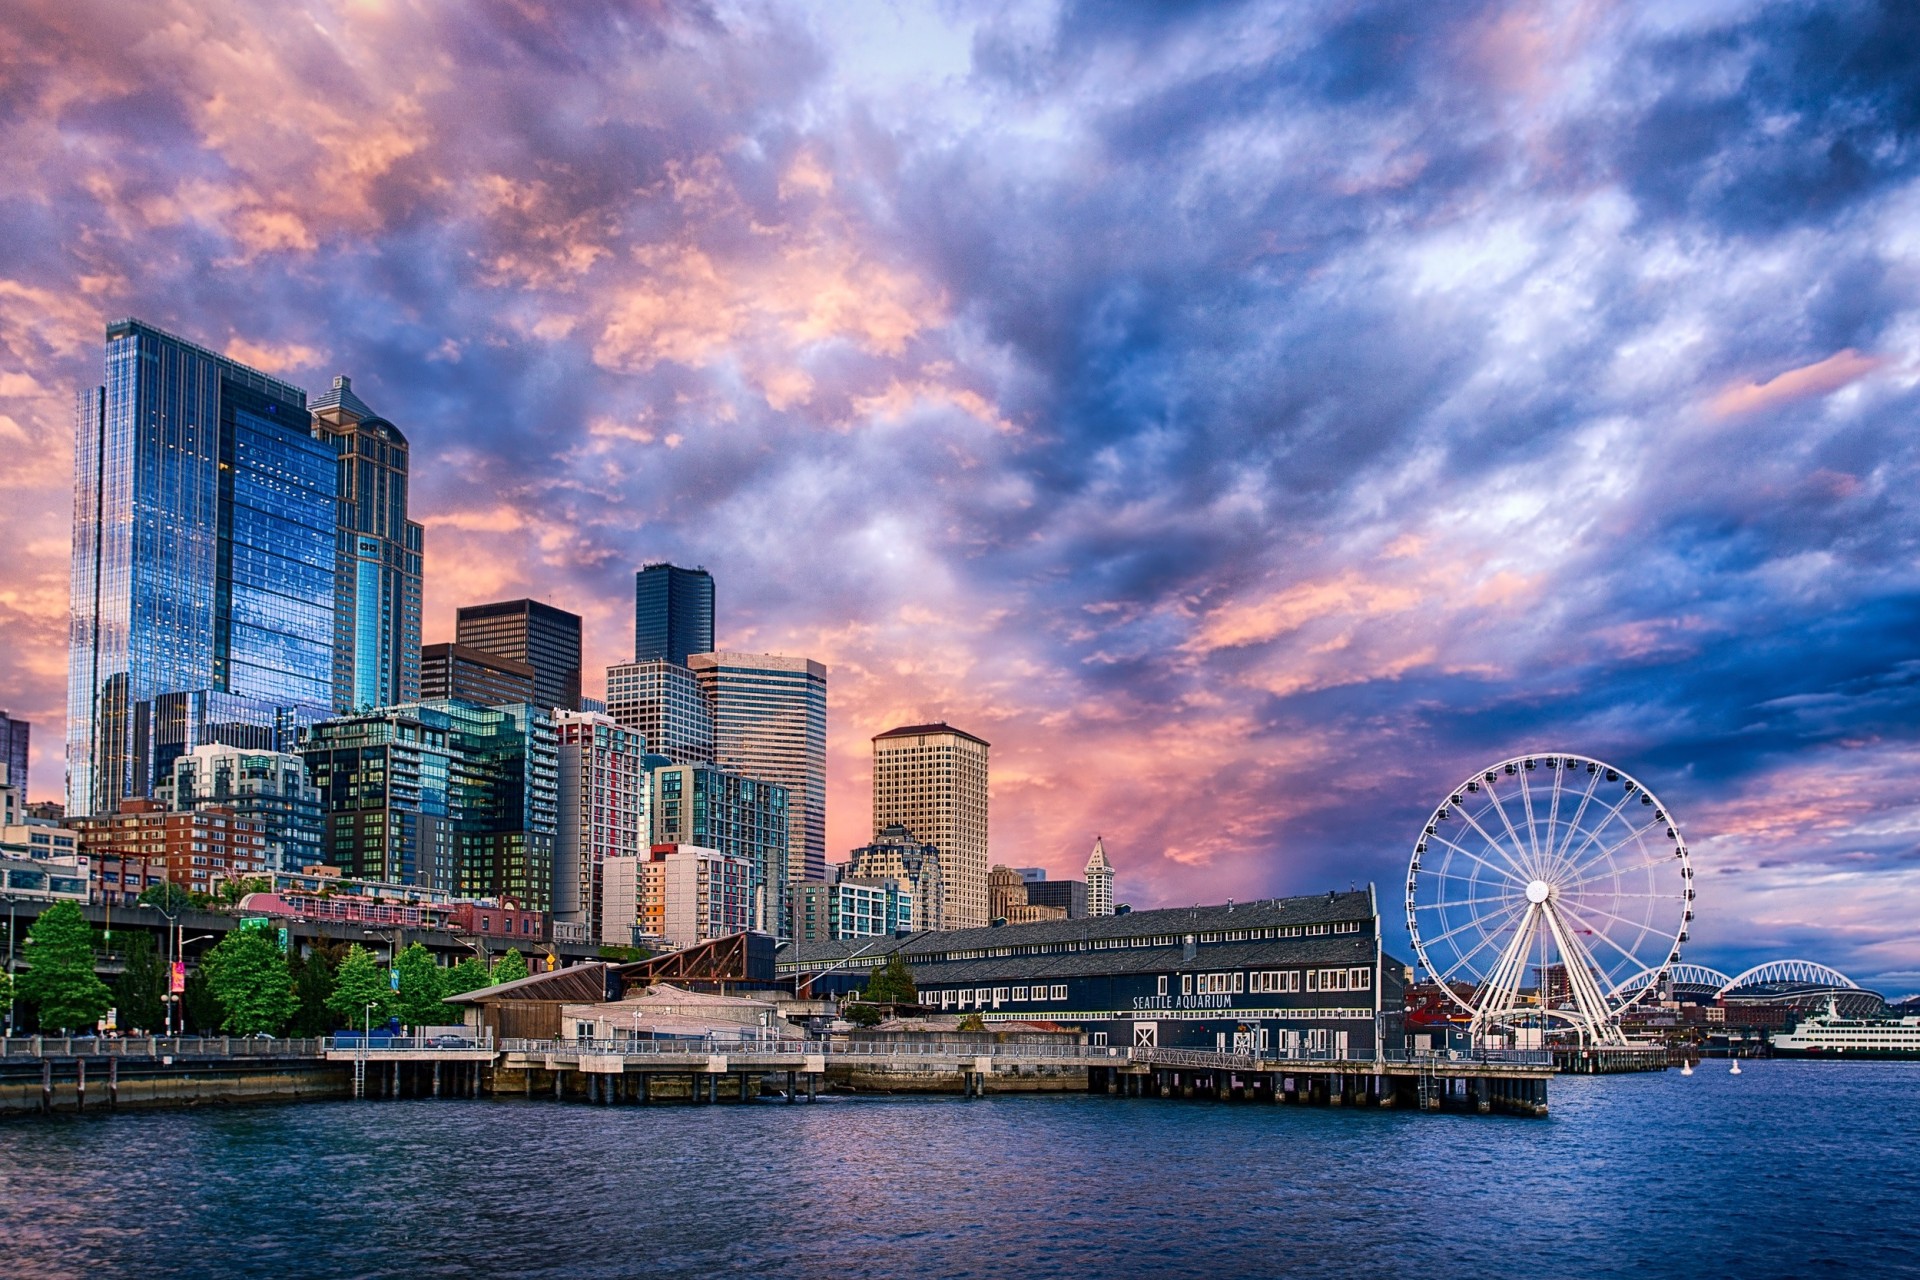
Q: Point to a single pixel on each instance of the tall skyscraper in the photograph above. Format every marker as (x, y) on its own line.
(672, 613)
(203, 555)
(14, 735)
(604, 806)
(473, 675)
(932, 779)
(770, 723)
(662, 701)
(545, 638)
(377, 564)
(705, 806)
(1099, 880)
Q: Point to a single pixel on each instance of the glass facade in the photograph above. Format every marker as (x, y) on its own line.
(714, 809)
(203, 553)
(545, 638)
(269, 787)
(770, 722)
(378, 556)
(672, 613)
(662, 702)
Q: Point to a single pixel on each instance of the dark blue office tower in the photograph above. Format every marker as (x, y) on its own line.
(672, 613)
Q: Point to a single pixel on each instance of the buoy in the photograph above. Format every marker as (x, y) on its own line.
(1736, 1068)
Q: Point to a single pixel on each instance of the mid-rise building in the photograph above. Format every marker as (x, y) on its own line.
(203, 556)
(377, 559)
(932, 779)
(605, 800)
(444, 795)
(690, 895)
(545, 638)
(869, 907)
(770, 723)
(810, 910)
(1099, 881)
(473, 675)
(672, 613)
(268, 787)
(895, 854)
(708, 807)
(661, 701)
(1069, 896)
(15, 736)
(199, 850)
(1007, 900)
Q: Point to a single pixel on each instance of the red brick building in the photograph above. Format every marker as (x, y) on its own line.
(504, 922)
(144, 844)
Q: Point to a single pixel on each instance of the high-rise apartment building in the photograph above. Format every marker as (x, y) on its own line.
(473, 675)
(661, 701)
(14, 739)
(705, 806)
(203, 555)
(545, 638)
(690, 895)
(267, 787)
(1099, 880)
(770, 723)
(672, 613)
(932, 779)
(377, 562)
(895, 854)
(604, 805)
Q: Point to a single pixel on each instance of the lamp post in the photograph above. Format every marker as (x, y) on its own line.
(173, 923)
(12, 919)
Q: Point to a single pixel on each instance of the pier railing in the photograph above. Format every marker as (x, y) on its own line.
(1249, 1061)
(409, 1044)
(158, 1047)
(784, 1047)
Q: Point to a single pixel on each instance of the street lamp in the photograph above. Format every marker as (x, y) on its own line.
(173, 922)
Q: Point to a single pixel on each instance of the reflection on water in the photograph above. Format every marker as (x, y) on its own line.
(1789, 1169)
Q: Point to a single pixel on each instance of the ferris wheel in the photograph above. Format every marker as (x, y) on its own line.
(1555, 872)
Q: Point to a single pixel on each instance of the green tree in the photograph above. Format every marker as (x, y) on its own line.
(312, 988)
(468, 975)
(167, 896)
(140, 992)
(357, 983)
(249, 977)
(6, 999)
(200, 1009)
(892, 983)
(231, 891)
(421, 987)
(861, 1015)
(625, 955)
(973, 1022)
(510, 967)
(61, 983)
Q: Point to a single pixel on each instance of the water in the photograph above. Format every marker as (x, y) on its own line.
(1790, 1169)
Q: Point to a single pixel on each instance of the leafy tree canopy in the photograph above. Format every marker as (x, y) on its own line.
(248, 975)
(139, 993)
(421, 987)
(892, 983)
(167, 896)
(312, 988)
(510, 967)
(62, 983)
(357, 983)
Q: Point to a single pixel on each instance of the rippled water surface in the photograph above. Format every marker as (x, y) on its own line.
(1789, 1169)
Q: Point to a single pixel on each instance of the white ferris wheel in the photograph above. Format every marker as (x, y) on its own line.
(1554, 872)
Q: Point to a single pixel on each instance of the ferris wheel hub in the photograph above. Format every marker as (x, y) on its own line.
(1538, 891)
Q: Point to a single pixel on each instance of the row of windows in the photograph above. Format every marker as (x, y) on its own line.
(983, 997)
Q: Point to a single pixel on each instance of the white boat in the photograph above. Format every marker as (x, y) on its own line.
(1686, 1068)
(1828, 1035)
(1736, 1068)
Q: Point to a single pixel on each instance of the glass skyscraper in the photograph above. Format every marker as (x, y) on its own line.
(672, 613)
(376, 591)
(545, 638)
(203, 555)
(770, 724)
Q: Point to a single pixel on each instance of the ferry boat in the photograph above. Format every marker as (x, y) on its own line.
(1828, 1035)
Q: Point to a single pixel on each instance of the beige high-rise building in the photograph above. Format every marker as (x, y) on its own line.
(932, 780)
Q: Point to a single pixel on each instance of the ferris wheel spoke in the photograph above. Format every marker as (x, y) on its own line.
(1529, 857)
(1533, 830)
(1494, 930)
(1488, 923)
(1500, 993)
(1553, 814)
(1519, 880)
(1573, 824)
(1614, 848)
(1594, 834)
(1603, 935)
(1518, 865)
(1579, 966)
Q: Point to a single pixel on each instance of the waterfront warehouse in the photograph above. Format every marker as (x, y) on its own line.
(1300, 975)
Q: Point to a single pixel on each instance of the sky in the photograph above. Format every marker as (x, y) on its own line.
(1253, 419)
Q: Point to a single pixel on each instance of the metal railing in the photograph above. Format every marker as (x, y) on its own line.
(1250, 1061)
(410, 1044)
(1018, 1051)
(157, 1047)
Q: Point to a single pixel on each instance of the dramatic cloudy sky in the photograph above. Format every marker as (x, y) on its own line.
(1251, 418)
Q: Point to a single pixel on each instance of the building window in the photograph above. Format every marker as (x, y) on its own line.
(1162, 983)
(1059, 993)
(1186, 984)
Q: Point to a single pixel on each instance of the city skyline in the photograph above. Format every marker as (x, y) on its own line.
(1258, 479)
